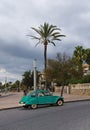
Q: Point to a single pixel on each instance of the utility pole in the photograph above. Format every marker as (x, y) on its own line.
(35, 77)
(5, 85)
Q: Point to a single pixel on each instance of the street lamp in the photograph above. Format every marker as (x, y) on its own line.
(34, 66)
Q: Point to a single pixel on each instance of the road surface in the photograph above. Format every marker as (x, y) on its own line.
(71, 116)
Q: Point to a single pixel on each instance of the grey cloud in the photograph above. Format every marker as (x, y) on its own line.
(16, 17)
(20, 49)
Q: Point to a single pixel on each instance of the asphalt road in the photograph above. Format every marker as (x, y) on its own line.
(71, 116)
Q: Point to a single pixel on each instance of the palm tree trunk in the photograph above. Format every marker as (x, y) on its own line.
(45, 63)
(45, 57)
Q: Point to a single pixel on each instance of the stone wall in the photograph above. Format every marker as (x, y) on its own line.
(75, 89)
(80, 89)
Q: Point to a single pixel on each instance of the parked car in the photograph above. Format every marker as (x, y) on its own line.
(40, 97)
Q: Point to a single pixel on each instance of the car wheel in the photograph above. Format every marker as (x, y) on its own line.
(25, 106)
(34, 106)
(29, 106)
(59, 102)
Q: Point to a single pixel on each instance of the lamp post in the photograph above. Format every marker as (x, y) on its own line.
(34, 66)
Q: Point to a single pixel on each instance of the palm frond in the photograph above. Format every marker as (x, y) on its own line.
(55, 33)
(53, 43)
(62, 35)
(57, 39)
(37, 43)
(45, 29)
(36, 30)
(34, 37)
(59, 35)
(49, 33)
(42, 32)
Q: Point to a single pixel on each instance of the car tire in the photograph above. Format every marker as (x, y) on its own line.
(25, 106)
(29, 106)
(59, 102)
(34, 106)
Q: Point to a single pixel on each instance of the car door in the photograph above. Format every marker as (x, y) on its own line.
(41, 98)
(44, 98)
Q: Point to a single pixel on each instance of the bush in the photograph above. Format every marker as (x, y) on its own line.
(84, 79)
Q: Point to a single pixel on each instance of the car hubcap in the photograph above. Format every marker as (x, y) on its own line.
(60, 103)
(34, 106)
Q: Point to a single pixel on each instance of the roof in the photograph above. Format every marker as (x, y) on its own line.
(86, 65)
(40, 90)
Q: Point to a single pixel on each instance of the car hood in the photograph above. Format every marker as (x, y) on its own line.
(24, 99)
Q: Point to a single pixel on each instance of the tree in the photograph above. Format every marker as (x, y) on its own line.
(79, 55)
(62, 70)
(88, 56)
(47, 34)
(17, 83)
(15, 86)
(27, 79)
(0, 86)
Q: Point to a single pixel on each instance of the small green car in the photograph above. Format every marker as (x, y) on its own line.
(40, 97)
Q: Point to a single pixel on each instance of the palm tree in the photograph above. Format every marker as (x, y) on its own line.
(80, 54)
(79, 57)
(47, 34)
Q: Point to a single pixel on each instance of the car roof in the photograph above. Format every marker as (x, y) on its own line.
(40, 90)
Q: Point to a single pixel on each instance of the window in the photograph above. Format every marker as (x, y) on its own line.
(40, 94)
(33, 94)
(47, 94)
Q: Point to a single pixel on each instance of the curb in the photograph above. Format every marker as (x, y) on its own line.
(8, 108)
(81, 100)
(3, 96)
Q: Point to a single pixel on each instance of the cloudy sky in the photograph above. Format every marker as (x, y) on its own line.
(17, 51)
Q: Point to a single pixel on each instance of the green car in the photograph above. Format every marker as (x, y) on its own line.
(40, 97)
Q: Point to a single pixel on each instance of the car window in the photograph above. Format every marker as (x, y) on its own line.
(40, 94)
(47, 94)
(33, 94)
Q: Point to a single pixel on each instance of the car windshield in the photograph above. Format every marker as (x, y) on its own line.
(31, 94)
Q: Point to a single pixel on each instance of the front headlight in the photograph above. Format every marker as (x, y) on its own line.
(22, 102)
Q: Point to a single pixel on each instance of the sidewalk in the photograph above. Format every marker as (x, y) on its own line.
(11, 100)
